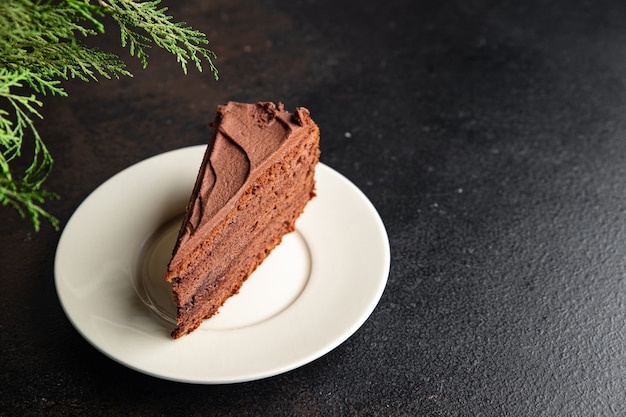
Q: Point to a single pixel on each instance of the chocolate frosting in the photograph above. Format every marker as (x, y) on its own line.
(244, 138)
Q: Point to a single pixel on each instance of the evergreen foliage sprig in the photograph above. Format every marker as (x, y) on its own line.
(41, 43)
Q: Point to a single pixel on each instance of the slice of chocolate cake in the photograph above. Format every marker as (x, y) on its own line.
(256, 177)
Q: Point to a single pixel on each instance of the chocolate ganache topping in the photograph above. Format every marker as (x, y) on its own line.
(244, 139)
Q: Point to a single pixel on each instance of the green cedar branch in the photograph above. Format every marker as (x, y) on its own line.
(23, 194)
(179, 39)
(40, 45)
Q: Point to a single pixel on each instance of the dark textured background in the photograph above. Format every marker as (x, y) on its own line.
(489, 135)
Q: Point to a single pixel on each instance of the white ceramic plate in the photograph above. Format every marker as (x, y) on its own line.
(312, 293)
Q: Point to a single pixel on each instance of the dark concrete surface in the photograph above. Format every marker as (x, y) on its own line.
(489, 135)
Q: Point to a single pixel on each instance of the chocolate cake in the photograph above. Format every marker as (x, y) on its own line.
(256, 177)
